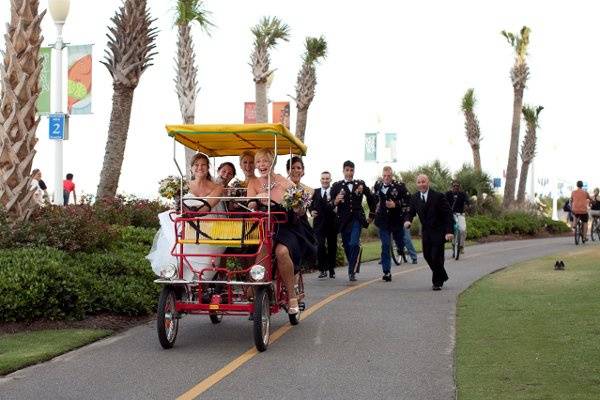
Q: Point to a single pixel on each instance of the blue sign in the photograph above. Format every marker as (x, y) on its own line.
(497, 183)
(56, 126)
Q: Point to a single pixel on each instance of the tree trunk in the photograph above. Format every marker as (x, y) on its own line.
(522, 182)
(301, 123)
(262, 113)
(513, 153)
(115, 144)
(189, 153)
(476, 159)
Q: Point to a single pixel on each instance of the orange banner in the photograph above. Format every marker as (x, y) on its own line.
(281, 113)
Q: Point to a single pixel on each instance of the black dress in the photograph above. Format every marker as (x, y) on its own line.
(298, 236)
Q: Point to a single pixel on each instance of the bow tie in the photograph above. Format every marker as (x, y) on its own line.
(386, 186)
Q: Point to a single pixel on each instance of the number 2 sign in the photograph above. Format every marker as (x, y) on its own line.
(57, 126)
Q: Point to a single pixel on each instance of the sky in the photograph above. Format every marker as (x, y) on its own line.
(398, 67)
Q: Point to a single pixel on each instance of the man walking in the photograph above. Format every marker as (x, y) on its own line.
(436, 224)
(325, 226)
(392, 198)
(458, 200)
(348, 195)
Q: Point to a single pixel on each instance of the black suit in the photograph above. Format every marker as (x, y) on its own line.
(325, 227)
(436, 222)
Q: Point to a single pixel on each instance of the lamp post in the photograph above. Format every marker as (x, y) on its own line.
(59, 9)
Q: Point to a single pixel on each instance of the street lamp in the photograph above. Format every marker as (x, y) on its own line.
(59, 9)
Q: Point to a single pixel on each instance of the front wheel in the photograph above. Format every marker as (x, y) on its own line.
(396, 253)
(215, 318)
(261, 318)
(167, 320)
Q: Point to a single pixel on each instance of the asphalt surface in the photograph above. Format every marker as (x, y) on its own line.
(383, 341)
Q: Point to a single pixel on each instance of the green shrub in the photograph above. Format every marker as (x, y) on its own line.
(474, 183)
(39, 283)
(514, 222)
(129, 211)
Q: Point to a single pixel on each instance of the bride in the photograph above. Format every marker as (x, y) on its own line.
(201, 186)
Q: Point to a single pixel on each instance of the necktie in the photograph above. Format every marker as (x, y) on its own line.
(423, 197)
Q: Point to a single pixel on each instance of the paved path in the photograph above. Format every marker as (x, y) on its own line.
(382, 341)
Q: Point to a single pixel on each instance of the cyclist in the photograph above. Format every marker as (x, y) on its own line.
(579, 207)
(595, 204)
(458, 200)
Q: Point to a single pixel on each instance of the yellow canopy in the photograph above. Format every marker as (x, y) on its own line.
(232, 140)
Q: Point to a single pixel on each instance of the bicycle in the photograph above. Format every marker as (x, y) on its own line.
(579, 231)
(595, 233)
(457, 240)
(397, 253)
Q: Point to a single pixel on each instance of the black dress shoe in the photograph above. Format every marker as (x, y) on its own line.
(352, 278)
(414, 261)
(322, 275)
(332, 275)
(387, 277)
(436, 288)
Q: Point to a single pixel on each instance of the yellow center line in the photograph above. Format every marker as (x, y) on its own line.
(215, 378)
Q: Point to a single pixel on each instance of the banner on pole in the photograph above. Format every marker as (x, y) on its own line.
(390, 147)
(43, 101)
(249, 112)
(80, 79)
(370, 147)
(281, 113)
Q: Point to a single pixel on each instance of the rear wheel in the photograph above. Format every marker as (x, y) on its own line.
(262, 318)
(577, 232)
(167, 320)
(215, 318)
(595, 233)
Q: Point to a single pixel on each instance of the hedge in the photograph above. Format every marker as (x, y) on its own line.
(43, 282)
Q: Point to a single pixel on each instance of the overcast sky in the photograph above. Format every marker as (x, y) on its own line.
(391, 67)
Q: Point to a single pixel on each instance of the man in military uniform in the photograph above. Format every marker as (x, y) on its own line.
(392, 204)
(348, 196)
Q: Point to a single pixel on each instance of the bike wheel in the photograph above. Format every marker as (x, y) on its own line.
(396, 256)
(577, 230)
(167, 321)
(262, 318)
(595, 233)
(215, 318)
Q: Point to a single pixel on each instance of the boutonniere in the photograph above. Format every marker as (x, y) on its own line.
(359, 188)
(395, 192)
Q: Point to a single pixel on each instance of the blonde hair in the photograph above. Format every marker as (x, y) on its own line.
(246, 153)
(267, 153)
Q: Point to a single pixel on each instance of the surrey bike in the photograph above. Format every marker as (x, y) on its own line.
(216, 290)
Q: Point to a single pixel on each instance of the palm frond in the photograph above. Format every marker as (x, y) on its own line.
(519, 42)
(316, 48)
(532, 114)
(188, 11)
(269, 31)
(469, 100)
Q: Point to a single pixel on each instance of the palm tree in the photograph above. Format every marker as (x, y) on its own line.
(186, 82)
(266, 35)
(19, 78)
(472, 126)
(518, 75)
(315, 49)
(531, 116)
(130, 44)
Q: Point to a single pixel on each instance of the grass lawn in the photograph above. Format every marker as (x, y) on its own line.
(372, 249)
(22, 349)
(529, 332)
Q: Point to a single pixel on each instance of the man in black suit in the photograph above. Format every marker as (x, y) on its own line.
(436, 222)
(347, 197)
(325, 226)
(392, 203)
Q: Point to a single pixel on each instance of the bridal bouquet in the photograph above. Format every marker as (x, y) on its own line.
(170, 187)
(296, 198)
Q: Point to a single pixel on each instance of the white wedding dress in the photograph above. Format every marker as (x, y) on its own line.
(164, 240)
